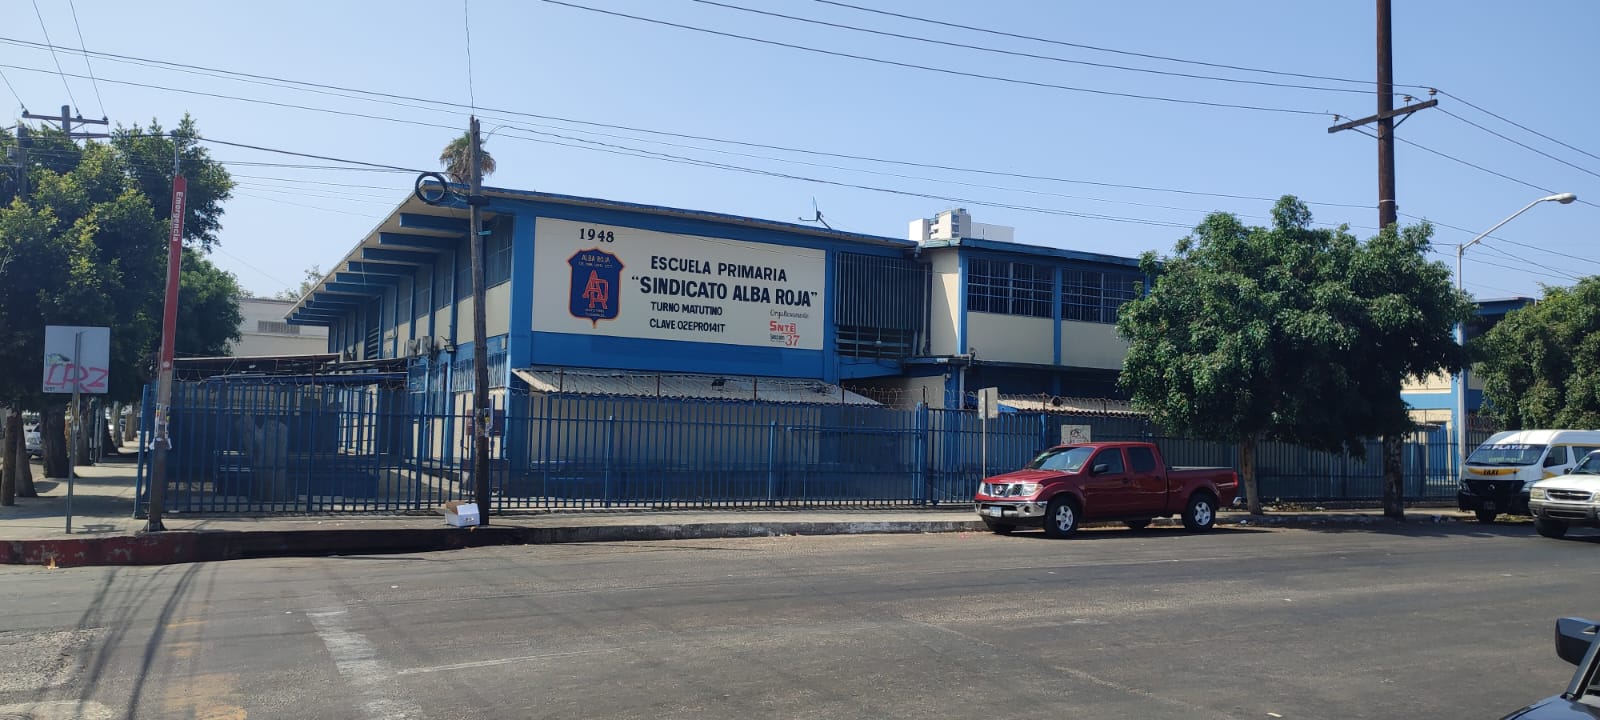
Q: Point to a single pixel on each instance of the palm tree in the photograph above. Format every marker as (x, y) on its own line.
(455, 162)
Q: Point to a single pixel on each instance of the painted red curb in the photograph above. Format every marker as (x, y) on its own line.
(118, 550)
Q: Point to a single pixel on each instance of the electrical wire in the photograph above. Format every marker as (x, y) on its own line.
(300, 181)
(1464, 231)
(1001, 33)
(1017, 53)
(320, 88)
(1519, 144)
(303, 205)
(53, 55)
(1501, 175)
(13, 90)
(466, 23)
(1548, 271)
(1513, 268)
(935, 69)
(1514, 123)
(92, 82)
(304, 155)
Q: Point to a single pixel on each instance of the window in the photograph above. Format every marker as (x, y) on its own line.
(1142, 459)
(1558, 456)
(1112, 459)
(497, 254)
(275, 327)
(1009, 288)
(1097, 296)
(403, 300)
(424, 285)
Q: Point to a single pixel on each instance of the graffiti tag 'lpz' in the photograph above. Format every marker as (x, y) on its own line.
(61, 375)
(596, 275)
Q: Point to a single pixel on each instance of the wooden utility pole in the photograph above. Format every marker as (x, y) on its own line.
(1388, 214)
(162, 438)
(482, 413)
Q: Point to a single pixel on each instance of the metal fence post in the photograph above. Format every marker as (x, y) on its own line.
(920, 445)
(611, 446)
(772, 461)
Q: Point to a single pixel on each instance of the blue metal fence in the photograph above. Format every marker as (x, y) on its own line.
(359, 443)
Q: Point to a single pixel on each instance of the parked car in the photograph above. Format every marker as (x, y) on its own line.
(33, 440)
(1575, 643)
(1128, 481)
(1499, 473)
(1563, 501)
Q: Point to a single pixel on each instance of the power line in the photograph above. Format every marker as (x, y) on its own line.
(1509, 121)
(303, 205)
(316, 182)
(299, 166)
(92, 82)
(1017, 53)
(1520, 144)
(306, 86)
(13, 90)
(1513, 268)
(1130, 53)
(1484, 169)
(305, 155)
(53, 55)
(466, 23)
(1465, 231)
(931, 68)
(1548, 272)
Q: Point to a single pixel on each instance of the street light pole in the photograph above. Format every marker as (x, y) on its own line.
(1461, 329)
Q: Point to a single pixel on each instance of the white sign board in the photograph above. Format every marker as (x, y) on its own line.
(1075, 434)
(592, 279)
(989, 403)
(76, 359)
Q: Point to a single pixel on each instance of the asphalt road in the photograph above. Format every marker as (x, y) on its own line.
(1439, 621)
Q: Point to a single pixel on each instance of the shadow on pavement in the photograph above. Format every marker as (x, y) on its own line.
(1122, 533)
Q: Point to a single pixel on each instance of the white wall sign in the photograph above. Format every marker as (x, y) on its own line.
(76, 358)
(623, 282)
(1074, 434)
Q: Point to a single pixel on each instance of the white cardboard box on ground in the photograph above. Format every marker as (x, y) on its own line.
(461, 514)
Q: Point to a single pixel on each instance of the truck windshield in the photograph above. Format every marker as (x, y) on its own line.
(1589, 466)
(1506, 455)
(1068, 459)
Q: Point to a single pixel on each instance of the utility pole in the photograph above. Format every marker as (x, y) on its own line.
(1388, 214)
(483, 415)
(23, 143)
(162, 439)
(67, 121)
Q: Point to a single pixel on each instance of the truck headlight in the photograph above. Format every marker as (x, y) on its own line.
(1536, 493)
(1028, 489)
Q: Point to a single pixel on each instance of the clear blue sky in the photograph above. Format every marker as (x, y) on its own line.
(1535, 67)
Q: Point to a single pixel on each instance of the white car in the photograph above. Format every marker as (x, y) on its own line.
(1562, 501)
(33, 440)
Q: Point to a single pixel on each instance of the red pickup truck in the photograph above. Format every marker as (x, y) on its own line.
(1127, 481)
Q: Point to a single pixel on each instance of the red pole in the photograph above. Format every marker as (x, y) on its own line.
(169, 339)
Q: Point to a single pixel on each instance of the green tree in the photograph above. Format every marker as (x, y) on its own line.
(208, 302)
(1270, 333)
(313, 275)
(456, 159)
(147, 156)
(1540, 366)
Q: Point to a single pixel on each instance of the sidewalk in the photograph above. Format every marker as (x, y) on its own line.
(104, 531)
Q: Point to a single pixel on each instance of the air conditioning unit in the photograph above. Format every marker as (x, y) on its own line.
(414, 347)
(427, 345)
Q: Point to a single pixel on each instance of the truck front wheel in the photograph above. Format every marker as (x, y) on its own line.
(1201, 512)
(1485, 515)
(1550, 528)
(1061, 517)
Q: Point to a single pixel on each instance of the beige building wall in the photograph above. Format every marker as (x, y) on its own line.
(944, 306)
(262, 331)
(1011, 338)
(1091, 345)
(497, 309)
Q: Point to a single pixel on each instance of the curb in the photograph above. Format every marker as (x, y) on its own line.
(186, 546)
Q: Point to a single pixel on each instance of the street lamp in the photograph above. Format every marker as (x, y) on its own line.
(1461, 330)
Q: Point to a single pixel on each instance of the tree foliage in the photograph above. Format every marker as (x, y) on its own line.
(1288, 333)
(313, 275)
(87, 246)
(208, 302)
(457, 161)
(1541, 365)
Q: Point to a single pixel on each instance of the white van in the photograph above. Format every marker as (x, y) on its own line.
(1498, 475)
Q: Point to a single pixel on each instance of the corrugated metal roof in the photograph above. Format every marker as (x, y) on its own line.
(708, 387)
(1071, 406)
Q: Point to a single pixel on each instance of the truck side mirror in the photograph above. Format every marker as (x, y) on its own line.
(1573, 638)
(1100, 469)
